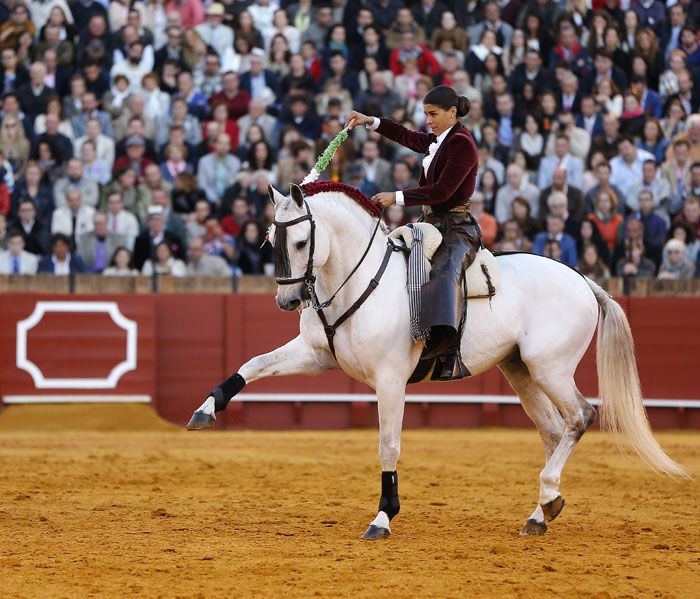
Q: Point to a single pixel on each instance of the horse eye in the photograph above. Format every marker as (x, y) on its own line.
(300, 245)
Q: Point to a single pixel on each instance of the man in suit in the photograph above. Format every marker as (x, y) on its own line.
(302, 116)
(90, 111)
(530, 70)
(16, 261)
(60, 261)
(590, 119)
(569, 96)
(555, 233)
(197, 102)
(97, 247)
(34, 232)
(376, 170)
(607, 141)
(53, 135)
(33, 95)
(492, 21)
(217, 170)
(74, 219)
(75, 179)
(258, 77)
(172, 49)
(154, 234)
(201, 264)
(603, 66)
(561, 157)
(574, 196)
(120, 221)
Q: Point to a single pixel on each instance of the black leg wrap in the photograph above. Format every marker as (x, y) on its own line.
(389, 501)
(227, 390)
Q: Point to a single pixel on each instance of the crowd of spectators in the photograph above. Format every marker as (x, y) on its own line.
(140, 136)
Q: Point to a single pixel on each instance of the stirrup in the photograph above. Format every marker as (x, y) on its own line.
(450, 368)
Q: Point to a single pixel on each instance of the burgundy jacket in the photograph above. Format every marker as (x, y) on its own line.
(452, 174)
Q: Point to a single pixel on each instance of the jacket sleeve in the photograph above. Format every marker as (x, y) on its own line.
(462, 154)
(413, 140)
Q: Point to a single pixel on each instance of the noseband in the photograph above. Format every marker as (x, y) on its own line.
(309, 279)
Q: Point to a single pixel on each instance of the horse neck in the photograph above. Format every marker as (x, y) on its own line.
(349, 230)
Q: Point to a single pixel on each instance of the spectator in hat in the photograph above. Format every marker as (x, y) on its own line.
(675, 264)
(61, 261)
(17, 261)
(135, 157)
(213, 31)
(155, 234)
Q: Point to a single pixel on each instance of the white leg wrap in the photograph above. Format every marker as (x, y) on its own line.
(382, 520)
(538, 514)
(208, 406)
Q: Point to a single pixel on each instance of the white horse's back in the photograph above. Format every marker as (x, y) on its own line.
(538, 299)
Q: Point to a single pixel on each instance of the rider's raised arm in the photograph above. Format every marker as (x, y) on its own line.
(413, 140)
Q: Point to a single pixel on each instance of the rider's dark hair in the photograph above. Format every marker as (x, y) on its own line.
(445, 97)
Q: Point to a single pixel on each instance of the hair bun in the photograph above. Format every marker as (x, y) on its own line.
(463, 106)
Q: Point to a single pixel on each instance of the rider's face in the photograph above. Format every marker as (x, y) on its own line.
(438, 119)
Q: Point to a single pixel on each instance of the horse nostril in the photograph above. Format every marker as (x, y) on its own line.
(294, 304)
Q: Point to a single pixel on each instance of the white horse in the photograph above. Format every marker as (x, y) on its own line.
(536, 330)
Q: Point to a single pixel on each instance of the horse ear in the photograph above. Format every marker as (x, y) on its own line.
(297, 194)
(274, 195)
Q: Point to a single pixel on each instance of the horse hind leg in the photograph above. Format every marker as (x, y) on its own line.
(577, 415)
(546, 418)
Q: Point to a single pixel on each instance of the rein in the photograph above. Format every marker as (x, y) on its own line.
(309, 279)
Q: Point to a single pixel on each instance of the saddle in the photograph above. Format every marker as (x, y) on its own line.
(482, 278)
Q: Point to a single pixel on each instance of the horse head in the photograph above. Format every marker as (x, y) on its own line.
(301, 246)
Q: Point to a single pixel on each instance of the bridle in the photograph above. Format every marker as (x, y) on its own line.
(309, 279)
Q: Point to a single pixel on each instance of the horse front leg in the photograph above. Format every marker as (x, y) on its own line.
(295, 357)
(390, 404)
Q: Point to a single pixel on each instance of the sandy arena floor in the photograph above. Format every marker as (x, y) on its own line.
(165, 513)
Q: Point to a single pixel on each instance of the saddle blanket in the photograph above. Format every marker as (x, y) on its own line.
(477, 279)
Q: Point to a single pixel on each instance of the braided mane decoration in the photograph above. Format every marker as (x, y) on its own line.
(310, 189)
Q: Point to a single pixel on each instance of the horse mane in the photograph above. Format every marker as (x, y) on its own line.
(360, 198)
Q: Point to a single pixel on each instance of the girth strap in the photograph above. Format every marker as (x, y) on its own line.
(330, 329)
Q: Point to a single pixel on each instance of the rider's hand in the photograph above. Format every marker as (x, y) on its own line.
(384, 199)
(354, 118)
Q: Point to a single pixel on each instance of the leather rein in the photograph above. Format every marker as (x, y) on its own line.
(309, 279)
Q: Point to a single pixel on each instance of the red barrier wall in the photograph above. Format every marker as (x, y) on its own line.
(185, 344)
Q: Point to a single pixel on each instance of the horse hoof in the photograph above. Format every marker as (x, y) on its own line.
(376, 533)
(553, 508)
(533, 528)
(200, 421)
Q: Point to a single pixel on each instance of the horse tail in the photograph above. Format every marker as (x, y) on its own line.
(622, 411)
